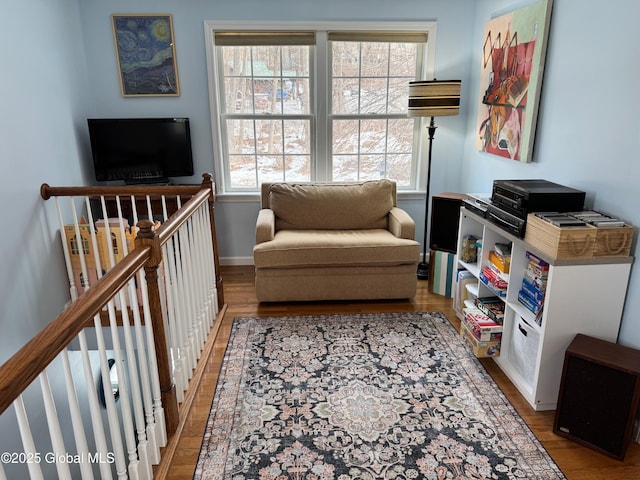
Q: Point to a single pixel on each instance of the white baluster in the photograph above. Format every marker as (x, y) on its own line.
(193, 287)
(35, 472)
(76, 418)
(149, 209)
(187, 318)
(182, 315)
(94, 408)
(200, 279)
(207, 267)
(110, 403)
(134, 369)
(153, 451)
(187, 269)
(165, 214)
(81, 254)
(112, 413)
(55, 432)
(94, 239)
(123, 383)
(73, 289)
(175, 332)
(212, 267)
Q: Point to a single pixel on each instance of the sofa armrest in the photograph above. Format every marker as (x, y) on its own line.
(265, 226)
(401, 224)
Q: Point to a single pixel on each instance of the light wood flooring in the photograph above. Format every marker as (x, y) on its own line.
(576, 461)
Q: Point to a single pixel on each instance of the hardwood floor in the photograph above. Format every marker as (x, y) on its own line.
(576, 461)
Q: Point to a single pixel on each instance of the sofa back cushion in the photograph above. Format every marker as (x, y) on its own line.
(333, 206)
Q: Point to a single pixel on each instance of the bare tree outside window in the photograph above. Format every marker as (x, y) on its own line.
(266, 112)
(269, 104)
(372, 138)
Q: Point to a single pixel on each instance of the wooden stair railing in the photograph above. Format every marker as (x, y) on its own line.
(176, 266)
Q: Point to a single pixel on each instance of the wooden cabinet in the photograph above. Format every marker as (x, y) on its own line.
(582, 296)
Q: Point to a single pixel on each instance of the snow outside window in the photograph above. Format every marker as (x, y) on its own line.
(315, 105)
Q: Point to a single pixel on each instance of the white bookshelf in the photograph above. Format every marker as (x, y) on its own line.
(582, 296)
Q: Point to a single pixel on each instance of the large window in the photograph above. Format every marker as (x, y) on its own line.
(311, 104)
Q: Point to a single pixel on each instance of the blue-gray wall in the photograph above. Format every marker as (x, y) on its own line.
(59, 67)
(236, 218)
(588, 133)
(44, 100)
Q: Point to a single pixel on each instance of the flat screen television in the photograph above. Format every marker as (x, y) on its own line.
(140, 150)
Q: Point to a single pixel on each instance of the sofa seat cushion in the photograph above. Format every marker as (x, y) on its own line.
(298, 248)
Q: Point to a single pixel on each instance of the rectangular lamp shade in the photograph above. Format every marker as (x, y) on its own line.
(434, 98)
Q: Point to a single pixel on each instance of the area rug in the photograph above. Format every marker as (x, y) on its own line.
(371, 396)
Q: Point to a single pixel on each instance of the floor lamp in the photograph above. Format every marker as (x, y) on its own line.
(432, 98)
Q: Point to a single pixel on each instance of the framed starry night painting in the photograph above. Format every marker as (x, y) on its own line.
(146, 55)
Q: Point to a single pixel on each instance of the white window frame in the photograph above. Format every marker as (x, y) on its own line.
(320, 79)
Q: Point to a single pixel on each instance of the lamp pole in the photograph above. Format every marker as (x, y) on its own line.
(423, 266)
(432, 98)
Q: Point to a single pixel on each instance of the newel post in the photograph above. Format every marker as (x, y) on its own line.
(207, 182)
(147, 236)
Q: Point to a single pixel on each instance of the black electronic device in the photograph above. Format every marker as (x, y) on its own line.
(478, 203)
(521, 197)
(511, 223)
(140, 150)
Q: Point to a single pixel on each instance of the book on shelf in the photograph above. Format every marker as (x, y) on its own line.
(537, 271)
(481, 326)
(500, 262)
(497, 289)
(537, 260)
(494, 278)
(532, 290)
(539, 281)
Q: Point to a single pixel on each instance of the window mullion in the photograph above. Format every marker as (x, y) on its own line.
(322, 77)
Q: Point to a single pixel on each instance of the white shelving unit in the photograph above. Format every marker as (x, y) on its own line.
(582, 296)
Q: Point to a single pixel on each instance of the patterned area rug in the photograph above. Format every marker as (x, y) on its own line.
(388, 396)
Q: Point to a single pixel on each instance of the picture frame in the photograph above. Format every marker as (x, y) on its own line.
(513, 56)
(146, 55)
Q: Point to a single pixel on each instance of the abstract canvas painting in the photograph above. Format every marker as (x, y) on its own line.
(146, 55)
(513, 53)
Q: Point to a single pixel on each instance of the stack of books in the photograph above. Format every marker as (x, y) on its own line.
(496, 273)
(481, 326)
(534, 285)
(493, 280)
(481, 333)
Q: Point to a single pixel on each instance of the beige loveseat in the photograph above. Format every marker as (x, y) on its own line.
(334, 241)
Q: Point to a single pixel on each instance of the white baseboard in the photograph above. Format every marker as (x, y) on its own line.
(236, 261)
